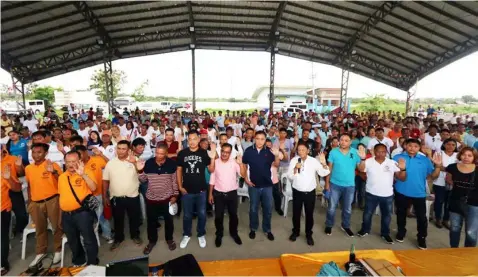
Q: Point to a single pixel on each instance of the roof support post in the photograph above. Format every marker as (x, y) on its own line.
(410, 95)
(108, 66)
(344, 88)
(193, 58)
(19, 87)
(271, 84)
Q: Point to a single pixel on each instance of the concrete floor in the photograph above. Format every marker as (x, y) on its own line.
(250, 249)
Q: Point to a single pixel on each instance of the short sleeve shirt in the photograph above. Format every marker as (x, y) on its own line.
(194, 166)
(418, 168)
(68, 201)
(259, 163)
(344, 165)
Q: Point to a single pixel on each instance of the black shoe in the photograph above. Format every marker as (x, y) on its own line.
(387, 239)
(293, 237)
(362, 233)
(348, 232)
(138, 241)
(310, 241)
(270, 236)
(115, 245)
(399, 237)
(252, 234)
(218, 241)
(328, 231)
(237, 239)
(422, 243)
(148, 248)
(280, 212)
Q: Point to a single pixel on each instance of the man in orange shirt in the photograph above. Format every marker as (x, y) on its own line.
(395, 133)
(77, 221)
(18, 202)
(42, 178)
(9, 182)
(96, 164)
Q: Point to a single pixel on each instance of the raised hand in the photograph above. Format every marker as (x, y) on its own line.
(128, 137)
(296, 138)
(362, 154)
(437, 159)
(140, 164)
(59, 145)
(96, 151)
(6, 172)
(275, 151)
(422, 137)
(239, 159)
(49, 166)
(427, 151)
(402, 164)
(29, 143)
(131, 157)
(322, 159)
(212, 153)
(18, 161)
(80, 168)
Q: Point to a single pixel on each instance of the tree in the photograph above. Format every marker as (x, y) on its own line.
(374, 103)
(98, 82)
(46, 93)
(138, 93)
(468, 99)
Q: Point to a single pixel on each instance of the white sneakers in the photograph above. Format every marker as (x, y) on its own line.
(202, 241)
(184, 242)
(37, 259)
(57, 257)
(186, 239)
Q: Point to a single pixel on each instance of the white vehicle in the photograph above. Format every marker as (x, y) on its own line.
(164, 106)
(292, 111)
(33, 105)
(124, 102)
(148, 106)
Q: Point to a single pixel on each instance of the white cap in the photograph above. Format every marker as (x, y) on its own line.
(173, 209)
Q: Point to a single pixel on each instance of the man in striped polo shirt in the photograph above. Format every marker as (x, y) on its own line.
(160, 173)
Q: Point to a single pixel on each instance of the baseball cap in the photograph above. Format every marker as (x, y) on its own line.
(203, 132)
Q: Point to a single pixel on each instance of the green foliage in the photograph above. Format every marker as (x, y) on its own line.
(98, 82)
(46, 94)
(373, 103)
(468, 98)
(138, 93)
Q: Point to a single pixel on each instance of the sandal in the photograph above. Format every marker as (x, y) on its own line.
(148, 248)
(171, 245)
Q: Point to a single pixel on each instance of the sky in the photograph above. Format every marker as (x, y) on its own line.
(225, 74)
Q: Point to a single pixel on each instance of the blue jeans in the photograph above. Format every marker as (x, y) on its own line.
(371, 203)
(194, 202)
(471, 227)
(359, 191)
(143, 187)
(347, 196)
(440, 205)
(105, 224)
(263, 195)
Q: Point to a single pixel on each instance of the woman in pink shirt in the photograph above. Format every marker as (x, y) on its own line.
(276, 189)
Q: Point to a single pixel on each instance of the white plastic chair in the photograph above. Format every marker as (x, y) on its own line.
(64, 240)
(244, 191)
(287, 194)
(30, 228)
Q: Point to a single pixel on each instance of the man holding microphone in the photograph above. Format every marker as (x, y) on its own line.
(301, 172)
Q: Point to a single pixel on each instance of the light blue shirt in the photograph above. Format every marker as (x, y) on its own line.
(418, 168)
(470, 140)
(344, 165)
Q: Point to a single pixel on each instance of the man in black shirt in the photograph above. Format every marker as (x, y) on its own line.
(310, 143)
(191, 177)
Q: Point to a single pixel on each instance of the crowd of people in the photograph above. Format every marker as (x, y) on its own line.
(83, 172)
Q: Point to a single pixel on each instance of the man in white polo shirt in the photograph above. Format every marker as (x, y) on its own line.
(121, 191)
(301, 172)
(380, 139)
(380, 172)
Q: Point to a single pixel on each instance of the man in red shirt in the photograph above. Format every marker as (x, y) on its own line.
(173, 146)
(91, 114)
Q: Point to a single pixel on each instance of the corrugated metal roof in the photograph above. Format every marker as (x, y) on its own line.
(392, 42)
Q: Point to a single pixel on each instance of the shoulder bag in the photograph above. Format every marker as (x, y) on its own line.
(90, 203)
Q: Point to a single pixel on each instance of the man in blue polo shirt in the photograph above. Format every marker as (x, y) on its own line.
(258, 159)
(413, 189)
(340, 183)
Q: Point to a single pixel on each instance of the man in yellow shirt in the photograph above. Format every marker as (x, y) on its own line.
(78, 222)
(6, 123)
(96, 164)
(42, 178)
(9, 182)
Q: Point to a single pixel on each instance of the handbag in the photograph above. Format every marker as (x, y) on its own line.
(90, 203)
